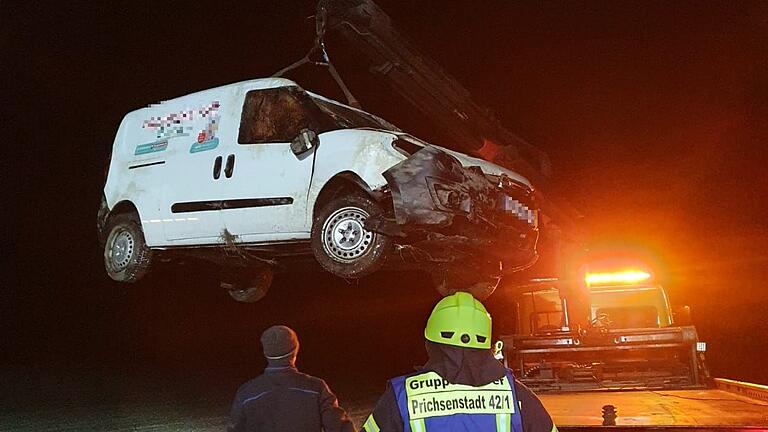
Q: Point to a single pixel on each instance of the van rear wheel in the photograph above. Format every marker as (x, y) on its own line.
(127, 258)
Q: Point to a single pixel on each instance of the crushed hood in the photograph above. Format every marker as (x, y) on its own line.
(467, 160)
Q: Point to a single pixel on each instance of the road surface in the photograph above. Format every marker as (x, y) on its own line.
(119, 400)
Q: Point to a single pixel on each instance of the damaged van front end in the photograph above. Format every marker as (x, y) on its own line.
(449, 213)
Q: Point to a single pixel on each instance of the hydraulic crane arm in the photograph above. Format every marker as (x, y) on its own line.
(425, 85)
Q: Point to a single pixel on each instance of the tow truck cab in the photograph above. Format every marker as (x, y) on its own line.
(623, 307)
(602, 334)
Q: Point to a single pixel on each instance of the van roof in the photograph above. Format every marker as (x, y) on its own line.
(256, 84)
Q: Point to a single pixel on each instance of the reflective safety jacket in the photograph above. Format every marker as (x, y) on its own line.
(429, 402)
(426, 402)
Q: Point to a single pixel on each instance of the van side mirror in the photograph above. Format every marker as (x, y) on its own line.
(682, 316)
(305, 141)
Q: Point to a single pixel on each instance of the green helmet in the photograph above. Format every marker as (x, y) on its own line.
(459, 320)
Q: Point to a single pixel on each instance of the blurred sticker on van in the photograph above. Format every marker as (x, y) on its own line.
(205, 145)
(152, 147)
(206, 138)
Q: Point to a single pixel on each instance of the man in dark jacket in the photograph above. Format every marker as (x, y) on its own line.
(284, 399)
(462, 386)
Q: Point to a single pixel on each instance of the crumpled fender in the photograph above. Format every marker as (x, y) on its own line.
(431, 187)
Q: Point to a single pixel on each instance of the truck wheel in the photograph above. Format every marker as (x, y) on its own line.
(340, 243)
(127, 258)
(251, 287)
(450, 281)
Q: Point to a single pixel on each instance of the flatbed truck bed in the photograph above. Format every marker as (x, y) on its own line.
(727, 405)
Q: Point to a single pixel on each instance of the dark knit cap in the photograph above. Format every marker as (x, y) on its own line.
(279, 341)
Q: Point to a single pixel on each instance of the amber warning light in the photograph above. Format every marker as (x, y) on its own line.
(626, 277)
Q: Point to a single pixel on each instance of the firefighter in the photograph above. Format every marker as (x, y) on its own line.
(462, 386)
(284, 399)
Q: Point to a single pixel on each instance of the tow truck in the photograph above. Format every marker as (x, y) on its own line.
(612, 351)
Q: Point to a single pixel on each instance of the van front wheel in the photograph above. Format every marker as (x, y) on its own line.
(127, 257)
(340, 242)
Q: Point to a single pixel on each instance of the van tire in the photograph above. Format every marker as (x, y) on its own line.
(127, 258)
(340, 243)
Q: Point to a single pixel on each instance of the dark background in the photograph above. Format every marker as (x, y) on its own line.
(654, 114)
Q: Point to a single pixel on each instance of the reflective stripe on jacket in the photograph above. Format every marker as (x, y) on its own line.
(427, 402)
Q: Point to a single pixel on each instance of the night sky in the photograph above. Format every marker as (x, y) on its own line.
(654, 114)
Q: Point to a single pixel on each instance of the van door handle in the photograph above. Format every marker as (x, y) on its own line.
(217, 168)
(230, 167)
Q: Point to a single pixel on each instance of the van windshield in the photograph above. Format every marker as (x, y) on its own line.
(347, 118)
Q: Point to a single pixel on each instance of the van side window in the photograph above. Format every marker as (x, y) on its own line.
(272, 115)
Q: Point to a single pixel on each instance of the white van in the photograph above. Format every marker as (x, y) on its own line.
(261, 172)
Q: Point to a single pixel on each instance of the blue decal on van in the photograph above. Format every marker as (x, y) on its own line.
(205, 145)
(152, 147)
